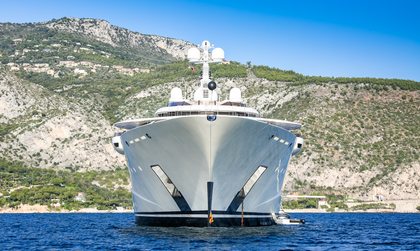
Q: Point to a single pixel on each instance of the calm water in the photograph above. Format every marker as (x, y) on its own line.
(118, 231)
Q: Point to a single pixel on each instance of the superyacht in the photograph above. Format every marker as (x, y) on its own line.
(204, 161)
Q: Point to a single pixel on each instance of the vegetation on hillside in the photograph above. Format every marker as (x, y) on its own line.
(44, 45)
(333, 199)
(300, 204)
(109, 90)
(361, 129)
(58, 189)
(6, 128)
(337, 201)
(231, 70)
(368, 206)
(275, 74)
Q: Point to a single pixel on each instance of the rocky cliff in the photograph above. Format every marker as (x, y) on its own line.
(44, 129)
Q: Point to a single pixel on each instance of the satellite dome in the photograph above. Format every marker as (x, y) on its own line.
(218, 55)
(235, 95)
(176, 95)
(193, 54)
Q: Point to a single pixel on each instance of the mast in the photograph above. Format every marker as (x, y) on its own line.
(203, 55)
(205, 46)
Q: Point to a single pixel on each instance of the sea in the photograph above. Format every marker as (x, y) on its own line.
(117, 231)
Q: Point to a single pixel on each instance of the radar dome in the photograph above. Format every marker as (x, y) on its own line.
(193, 54)
(176, 95)
(235, 95)
(218, 55)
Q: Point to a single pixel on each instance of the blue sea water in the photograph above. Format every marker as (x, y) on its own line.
(115, 231)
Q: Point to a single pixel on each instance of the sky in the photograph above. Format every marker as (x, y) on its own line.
(340, 38)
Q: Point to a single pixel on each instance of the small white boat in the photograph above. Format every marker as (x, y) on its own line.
(283, 218)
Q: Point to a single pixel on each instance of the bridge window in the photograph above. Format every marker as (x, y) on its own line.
(187, 113)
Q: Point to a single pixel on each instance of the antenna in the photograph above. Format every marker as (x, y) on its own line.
(203, 55)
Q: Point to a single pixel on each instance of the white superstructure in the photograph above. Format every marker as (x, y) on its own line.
(204, 161)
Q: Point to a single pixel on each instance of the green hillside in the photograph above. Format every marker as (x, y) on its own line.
(24, 185)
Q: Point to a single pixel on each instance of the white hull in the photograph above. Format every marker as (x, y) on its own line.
(195, 152)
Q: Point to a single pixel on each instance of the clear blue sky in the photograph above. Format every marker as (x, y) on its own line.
(368, 38)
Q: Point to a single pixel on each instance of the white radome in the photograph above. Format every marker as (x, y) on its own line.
(193, 54)
(176, 95)
(235, 95)
(218, 55)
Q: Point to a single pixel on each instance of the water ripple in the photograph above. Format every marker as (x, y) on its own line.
(347, 231)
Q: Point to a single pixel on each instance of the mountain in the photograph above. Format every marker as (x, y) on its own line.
(86, 38)
(64, 57)
(63, 83)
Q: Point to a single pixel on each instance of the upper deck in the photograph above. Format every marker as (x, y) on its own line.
(201, 107)
(133, 123)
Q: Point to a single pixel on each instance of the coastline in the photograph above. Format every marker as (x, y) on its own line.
(322, 211)
(93, 210)
(398, 206)
(24, 209)
(29, 209)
